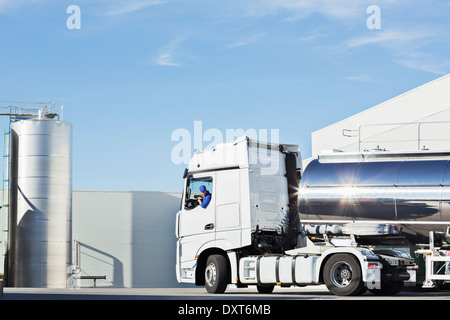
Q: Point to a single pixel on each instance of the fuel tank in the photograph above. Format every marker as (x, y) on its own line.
(410, 189)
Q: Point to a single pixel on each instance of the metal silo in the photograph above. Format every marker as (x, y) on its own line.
(40, 203)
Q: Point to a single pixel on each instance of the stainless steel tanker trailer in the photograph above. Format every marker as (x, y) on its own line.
(408, 189)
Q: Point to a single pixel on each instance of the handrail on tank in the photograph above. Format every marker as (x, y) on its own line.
(357, 132)
(44, 109)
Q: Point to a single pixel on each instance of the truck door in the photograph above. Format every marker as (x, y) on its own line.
(195, 220)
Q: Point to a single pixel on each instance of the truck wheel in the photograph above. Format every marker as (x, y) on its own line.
(265, 289)
(342, 275)
(216, 274)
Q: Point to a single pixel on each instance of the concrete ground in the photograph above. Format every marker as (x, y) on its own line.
(185, 294)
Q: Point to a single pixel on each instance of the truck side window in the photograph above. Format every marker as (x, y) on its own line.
(193, 190)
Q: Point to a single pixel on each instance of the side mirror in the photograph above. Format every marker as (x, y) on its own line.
(188, 193)
(185, 173)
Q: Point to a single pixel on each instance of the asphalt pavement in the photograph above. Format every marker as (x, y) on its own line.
(184, 294)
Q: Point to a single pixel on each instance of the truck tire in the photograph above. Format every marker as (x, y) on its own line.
(216, 274)
(265, 289)
(343, 276)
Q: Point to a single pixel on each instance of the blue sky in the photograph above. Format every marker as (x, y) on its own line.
(137, 70)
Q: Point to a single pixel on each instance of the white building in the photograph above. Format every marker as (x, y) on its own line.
(417, 119)
(128, 236)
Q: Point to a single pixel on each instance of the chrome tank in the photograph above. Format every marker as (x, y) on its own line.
(410, 190)
(41, 203)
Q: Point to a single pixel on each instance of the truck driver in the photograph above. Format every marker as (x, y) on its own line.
(205, 197)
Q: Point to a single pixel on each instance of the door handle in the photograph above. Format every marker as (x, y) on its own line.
(209, 226)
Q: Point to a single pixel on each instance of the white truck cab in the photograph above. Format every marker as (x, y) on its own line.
(250, 233)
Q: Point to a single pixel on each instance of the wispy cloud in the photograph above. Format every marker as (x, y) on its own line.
(406, 48)
(132, 6)
(166, 55)
(247, 41)
(298, 9)
(423, 61)
(359, 78)
(9, 4)
(390, 38)
(311, 37)
(4, 4)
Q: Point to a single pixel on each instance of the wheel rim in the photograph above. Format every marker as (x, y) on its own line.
(341, 274)
(210, 274)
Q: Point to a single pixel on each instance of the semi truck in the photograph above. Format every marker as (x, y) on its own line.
(250, 233)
